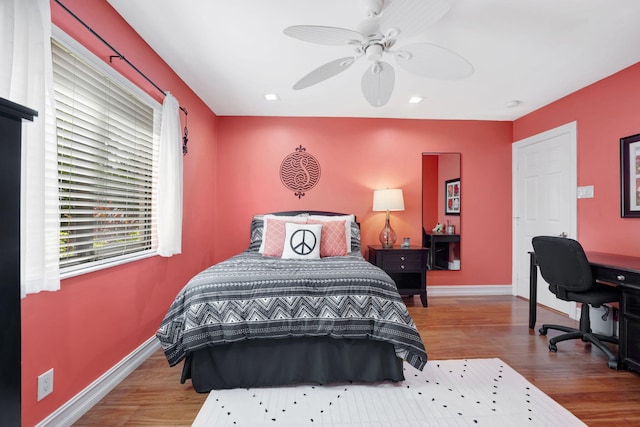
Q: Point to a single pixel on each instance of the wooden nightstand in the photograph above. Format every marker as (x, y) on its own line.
(406, 266)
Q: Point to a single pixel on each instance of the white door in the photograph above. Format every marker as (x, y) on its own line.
(544, 202)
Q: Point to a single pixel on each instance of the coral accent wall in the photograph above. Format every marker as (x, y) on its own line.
(357, 156)
(97, 319)
(605, 112)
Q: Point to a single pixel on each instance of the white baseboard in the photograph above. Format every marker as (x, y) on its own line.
(469, 290)
(80, 404)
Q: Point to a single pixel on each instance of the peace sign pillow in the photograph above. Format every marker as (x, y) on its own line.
(302, 241)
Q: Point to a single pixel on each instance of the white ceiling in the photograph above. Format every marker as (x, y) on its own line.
(232, 52)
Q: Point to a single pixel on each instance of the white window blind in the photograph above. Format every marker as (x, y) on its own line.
(107, 160)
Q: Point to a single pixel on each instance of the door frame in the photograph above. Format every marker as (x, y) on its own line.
(521, 287)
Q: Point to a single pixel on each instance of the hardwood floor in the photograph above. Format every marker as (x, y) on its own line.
(576, 376)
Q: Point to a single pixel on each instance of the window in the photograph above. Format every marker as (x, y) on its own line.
(107, 164)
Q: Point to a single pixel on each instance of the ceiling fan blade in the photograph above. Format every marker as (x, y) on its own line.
(433, 61)
(324, 72)
(377, 83)
(412, 16)
(332, 36)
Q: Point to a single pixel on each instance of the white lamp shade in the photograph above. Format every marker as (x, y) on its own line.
(389, 199)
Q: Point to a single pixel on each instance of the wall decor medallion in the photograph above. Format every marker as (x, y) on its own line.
(300, 171)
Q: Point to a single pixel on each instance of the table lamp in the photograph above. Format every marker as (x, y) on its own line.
(389, 199)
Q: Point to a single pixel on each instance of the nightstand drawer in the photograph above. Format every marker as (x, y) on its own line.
(402, 262)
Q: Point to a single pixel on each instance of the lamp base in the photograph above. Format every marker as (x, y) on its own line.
(387, 235)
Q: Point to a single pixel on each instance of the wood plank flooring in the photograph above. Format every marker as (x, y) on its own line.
(576, 376)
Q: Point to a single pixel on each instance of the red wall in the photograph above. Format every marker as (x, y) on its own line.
(605, 112)
(97, 319)
(357, 156)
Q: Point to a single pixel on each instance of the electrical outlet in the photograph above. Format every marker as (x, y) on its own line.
(45, 384)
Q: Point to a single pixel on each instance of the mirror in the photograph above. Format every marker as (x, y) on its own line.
(441, 204)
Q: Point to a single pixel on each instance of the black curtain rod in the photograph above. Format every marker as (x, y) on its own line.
(117, 54)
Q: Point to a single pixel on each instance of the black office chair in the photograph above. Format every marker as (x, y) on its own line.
(563, 264)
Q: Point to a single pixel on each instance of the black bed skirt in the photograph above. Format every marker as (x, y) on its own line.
(316, 360)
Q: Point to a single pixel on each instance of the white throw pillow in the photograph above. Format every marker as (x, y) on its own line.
(302, 241)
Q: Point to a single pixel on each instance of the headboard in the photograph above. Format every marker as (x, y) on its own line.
(308, 212)
(325, 213)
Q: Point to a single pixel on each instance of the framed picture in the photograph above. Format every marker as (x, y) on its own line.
(630, 176)
(452, 197)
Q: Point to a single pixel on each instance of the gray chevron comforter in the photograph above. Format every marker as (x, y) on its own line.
(250, 296)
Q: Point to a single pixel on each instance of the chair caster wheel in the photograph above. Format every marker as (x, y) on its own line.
(613, 364)
(553, 348)
(542, 331)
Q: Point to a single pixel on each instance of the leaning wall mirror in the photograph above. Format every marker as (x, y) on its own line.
(441, 206)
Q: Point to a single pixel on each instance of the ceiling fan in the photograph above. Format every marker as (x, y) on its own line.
(387, 22)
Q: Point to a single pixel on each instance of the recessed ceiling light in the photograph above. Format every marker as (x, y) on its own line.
(415, 100)
(271, 97)
(512, 104)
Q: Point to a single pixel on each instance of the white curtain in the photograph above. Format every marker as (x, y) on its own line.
(26, 78)
(170, 180)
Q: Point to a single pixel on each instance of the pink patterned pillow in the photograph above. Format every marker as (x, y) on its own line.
(332, 240)
(275, 233)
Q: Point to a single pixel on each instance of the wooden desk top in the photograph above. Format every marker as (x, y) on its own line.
(614, 261)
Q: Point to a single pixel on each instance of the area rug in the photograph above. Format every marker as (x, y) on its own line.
(468, 392)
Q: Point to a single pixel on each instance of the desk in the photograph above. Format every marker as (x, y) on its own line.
(620, 270)
(438, 244)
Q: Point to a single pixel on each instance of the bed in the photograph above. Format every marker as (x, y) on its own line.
(261, 319)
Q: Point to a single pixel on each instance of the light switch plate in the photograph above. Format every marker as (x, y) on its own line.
(585, 192)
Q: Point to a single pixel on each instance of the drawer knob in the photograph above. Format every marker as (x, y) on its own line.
(402, 258)
(620, 277)
(402, 267)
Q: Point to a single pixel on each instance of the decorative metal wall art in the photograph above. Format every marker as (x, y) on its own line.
(300, 171)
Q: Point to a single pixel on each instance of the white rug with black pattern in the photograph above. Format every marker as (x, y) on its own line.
(468, 392)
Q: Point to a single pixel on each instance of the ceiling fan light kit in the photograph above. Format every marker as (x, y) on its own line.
(388, 22)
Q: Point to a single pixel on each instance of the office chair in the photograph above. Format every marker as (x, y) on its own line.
(563, 264)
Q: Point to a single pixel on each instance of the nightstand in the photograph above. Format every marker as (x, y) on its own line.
(406, 266)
